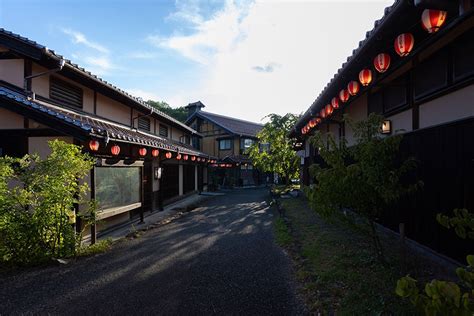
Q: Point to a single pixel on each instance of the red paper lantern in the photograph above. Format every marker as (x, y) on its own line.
(142, 151)
(168, 155)
(322, 113)
(431, 20)
(178, 157)
(404, 44)
(318, 120)
(328, 109)
(335, 103)
(94, 145)
(155, 152)
(115, 150)
(312, 123)
(343, 95)
(365, 77)
(193, 158)
(353, 87)
(185, 157)
(382, 62)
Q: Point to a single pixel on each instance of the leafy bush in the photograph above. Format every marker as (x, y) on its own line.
(37, 199)
(445, 297)
(365, 178)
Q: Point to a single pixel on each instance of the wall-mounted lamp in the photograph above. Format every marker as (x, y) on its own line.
(386, 127)
(158, 171)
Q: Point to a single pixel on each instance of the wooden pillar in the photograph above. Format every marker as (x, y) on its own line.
(181, 180)
(196, 188)
(93, 225)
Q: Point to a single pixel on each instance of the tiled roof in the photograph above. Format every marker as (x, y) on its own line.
(237, 158)
(77, 68)
(232, 125)
(91, 125)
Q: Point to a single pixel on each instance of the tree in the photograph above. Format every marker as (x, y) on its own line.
(37, 199)
(274, 150)
(365, 178)
(179, 113)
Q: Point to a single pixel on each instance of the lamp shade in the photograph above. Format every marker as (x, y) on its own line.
(142, 151)
(343, 95)
(155, 152)
(115, 150)
(382, 62)
(353, 87)
(335, 103)
(365, 77)
(168, 155)
(432, 20)
(404, 44)
(94, 145)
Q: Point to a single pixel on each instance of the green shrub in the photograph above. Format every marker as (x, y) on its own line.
(37, 199)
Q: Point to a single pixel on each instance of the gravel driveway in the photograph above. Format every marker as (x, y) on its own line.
(218, 259)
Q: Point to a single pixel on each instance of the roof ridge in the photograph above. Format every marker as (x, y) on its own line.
(232, 118)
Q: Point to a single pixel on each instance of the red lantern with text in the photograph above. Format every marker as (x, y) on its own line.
(322, 113)
(365, 77)
(155, 152)
(335, 103)
(115, 150)
(185, 157)
(328, 109)
(312, 123)
(168, 155)
(353, 87)
(382, 62)
(94, 145)
(142, 151)
(343, 95)
(193, 158)
(404, 44)
(178, 157)
(431, 20)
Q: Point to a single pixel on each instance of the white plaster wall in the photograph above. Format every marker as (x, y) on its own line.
(12, 71)
(401, 122)
(39, 145)
(10, 120)
(357, 111)
(456, 105)
(113, 110)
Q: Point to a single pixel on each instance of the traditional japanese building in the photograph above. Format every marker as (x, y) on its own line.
(145, 158)
(228, 139)
(416, 68)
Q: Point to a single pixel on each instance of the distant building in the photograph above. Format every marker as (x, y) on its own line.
(416, 68)
(228, 139)
(144, 157)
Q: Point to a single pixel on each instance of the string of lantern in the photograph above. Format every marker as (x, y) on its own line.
(431, 21)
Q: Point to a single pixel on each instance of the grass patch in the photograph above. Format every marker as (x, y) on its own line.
(336, 265)
(282, 233)
(99, 247)
(283, 189)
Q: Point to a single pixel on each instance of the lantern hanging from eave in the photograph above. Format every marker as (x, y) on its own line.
(185, 157)
(142, 151)
(343, 95)
(431, 20)
(322, 113)
(382, 62)
(115, 150)
(353, 87)
(404, 44)
(155, 152)
(178, 157)
(312, 123)
(335, 103)
(328, 109)
(303, 131)
(94, 145)
(365, 77)
(193, 158)
(168, 155)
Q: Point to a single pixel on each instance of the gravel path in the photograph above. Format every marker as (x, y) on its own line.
(218, 259)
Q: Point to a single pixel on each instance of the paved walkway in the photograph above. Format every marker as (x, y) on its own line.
(218, 259)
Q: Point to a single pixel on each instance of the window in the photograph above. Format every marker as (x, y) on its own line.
(144, 124)
(431, 75)
(225, 144)
(185, 139)
(117, 186)
(463, 51)
(395, 95)
(65, 93)
(246, 143)
(163, 131)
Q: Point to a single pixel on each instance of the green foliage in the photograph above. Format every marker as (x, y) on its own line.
(98, 247)
(444, 297)
(179, 113)
(37, 199)
(282, 234)
(365, 178)
(279, 157)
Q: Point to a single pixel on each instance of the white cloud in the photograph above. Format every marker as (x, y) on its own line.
(145, 95)
(303, 42)
(79, 38)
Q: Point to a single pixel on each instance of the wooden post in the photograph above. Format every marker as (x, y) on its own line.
(93, 225)
(142, 220)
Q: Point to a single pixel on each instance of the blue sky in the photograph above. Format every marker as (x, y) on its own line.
(243, 58)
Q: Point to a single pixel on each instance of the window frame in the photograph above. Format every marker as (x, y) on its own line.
(225, 140)
(161, 128)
